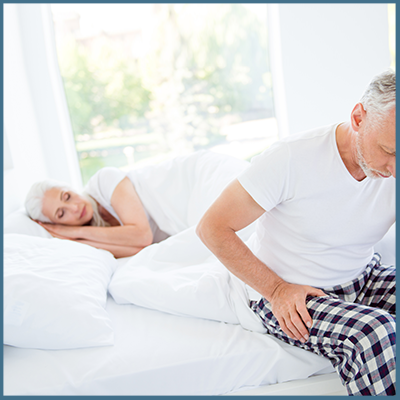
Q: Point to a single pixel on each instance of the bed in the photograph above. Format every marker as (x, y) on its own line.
(170, 320)
(159, 354)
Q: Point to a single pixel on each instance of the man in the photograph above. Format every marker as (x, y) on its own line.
(323, 199)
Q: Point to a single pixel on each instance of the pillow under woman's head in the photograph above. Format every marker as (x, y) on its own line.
(19, 222)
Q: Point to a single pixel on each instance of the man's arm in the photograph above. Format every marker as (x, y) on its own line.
(232, 211)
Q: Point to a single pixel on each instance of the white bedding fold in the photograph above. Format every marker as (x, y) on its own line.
(182, 277)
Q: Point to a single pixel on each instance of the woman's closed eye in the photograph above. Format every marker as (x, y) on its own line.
(65, 197)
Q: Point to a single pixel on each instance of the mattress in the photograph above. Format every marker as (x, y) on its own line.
(156, 353)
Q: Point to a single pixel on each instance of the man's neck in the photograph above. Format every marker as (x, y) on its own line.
(346, 143)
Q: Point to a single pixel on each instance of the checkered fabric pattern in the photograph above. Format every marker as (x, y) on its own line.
(355, 327)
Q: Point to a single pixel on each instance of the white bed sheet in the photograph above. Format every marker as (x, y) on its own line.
(317, 385)
(156, 353)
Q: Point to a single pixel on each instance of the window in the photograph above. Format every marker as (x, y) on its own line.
(146, 82)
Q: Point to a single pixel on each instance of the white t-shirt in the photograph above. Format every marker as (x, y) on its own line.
(320, 224)
(101, 187)
(177, 192)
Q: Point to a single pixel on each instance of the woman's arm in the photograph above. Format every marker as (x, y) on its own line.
(135, 232)
(120, 235)
(116, 250)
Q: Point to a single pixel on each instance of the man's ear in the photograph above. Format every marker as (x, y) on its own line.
(358, 116)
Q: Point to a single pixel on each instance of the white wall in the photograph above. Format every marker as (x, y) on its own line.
(20, 122)
(36, 119)
(329, 54)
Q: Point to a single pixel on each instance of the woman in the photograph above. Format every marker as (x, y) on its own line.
(125, 212)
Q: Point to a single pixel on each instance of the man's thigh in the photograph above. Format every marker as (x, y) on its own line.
(375, 287)
(380, 289)
(336, 325)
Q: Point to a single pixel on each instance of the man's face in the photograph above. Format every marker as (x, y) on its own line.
(376, 147)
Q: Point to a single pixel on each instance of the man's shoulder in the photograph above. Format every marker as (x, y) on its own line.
(300, 145)
(315, 134)
(318, 142)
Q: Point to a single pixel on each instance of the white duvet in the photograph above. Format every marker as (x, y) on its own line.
(180, 275)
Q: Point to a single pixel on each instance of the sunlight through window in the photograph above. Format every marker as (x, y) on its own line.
(146, 82)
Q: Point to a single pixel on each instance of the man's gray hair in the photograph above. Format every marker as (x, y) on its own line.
(380, 96)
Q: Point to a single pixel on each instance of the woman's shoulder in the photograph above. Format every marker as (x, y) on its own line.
(103, 183)
(106, 173)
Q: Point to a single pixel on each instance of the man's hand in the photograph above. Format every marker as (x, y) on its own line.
(288, 302)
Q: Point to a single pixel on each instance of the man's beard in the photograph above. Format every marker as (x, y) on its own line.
(368, 171)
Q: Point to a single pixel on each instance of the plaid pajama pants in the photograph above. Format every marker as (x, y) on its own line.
(355, 327)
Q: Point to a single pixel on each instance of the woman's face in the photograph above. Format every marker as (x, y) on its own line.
(63, 206)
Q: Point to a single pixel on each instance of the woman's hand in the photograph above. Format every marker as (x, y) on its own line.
(61, 231)
(71, 233)
(288, 302)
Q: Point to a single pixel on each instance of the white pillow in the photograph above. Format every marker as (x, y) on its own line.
(19, 222)
(55, 293)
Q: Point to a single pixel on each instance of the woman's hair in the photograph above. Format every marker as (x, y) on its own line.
(34, 201)
(96, 219)
(380, 96)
